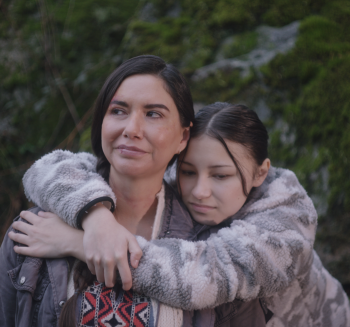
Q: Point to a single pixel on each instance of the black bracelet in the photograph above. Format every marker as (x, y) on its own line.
(83, 211)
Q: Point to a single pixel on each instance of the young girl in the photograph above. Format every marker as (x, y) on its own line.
(264, 248)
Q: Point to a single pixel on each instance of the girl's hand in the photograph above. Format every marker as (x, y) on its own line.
(47, 236)
(106, 245)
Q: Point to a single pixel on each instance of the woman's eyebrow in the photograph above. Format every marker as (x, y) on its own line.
(156, 105)
(120, 103)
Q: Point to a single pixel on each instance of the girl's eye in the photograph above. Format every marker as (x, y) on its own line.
(153, 114)
(187, 172)
(219, 176)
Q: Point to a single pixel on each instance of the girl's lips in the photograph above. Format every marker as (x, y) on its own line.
(130, 151)
(201, 208)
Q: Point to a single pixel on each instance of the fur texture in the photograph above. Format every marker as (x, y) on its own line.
(64, 182)
(267, 251)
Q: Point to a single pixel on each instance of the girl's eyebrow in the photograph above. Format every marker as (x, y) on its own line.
(219, 166)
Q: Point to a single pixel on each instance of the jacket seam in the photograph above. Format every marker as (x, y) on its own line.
(54, 292)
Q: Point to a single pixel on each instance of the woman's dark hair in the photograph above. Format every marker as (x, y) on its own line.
(177, 87)
(237, 123)
(174, 83)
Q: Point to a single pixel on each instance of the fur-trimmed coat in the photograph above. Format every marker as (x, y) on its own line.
(266, 252)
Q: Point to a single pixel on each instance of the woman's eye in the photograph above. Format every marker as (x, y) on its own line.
(153, 114)
(187, 172)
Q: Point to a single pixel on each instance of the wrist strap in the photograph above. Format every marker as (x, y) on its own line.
(83, 211)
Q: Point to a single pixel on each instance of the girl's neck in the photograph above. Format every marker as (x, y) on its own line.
(136, 201)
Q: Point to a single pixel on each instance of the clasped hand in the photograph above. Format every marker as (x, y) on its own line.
(104, 245)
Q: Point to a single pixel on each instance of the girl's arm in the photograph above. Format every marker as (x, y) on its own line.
(66, 184)
(258, 255)
(268, 243)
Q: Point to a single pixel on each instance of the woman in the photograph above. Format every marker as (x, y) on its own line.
(267, 253)
(142, 119)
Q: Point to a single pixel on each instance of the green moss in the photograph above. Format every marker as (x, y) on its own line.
(64, 42)
(164, 38)
(239, 44)
(311, 93)
(237, 12)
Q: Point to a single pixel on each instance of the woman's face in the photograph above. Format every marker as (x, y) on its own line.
(210, 183)
(141, 130)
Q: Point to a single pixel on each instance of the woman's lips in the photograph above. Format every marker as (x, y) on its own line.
(131, 151)
(201, 208)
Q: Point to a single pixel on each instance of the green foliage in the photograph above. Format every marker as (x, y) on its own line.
(55, 56)
(313, 86)
(314, 76)
(227, 86)
(191, 38)
(238, 45)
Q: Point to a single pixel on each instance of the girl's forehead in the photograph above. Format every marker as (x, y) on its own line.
(208, 151)
(211, 144)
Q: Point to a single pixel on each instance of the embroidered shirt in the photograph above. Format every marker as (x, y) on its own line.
(103, 307)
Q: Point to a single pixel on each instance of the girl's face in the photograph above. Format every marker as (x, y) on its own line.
(210, 183)
(141, 130)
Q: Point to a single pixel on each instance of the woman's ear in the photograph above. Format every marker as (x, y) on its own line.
(261, 172)
(185, 138)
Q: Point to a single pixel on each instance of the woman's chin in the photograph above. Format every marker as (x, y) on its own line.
(134, 169)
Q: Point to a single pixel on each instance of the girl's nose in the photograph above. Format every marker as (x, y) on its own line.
(202, 189)
(134, 127)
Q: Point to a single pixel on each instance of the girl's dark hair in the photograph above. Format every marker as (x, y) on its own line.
(174, 83)
(237, 123)
(177, 87)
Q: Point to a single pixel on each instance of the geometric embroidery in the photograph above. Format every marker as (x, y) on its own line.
(101, 307)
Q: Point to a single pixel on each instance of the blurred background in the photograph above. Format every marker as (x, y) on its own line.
(287, 60)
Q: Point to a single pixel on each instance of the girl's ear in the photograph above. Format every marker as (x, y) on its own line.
(185, 138)
(261, 172)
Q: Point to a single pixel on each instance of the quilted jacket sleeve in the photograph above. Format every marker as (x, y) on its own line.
(267, 246)
(64, 183)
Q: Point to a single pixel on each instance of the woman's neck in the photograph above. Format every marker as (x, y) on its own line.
(136, 202)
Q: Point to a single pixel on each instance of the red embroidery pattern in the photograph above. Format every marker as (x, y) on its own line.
(101, 307)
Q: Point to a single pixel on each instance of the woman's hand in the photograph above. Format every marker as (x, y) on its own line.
(47, 236)
(106, 245)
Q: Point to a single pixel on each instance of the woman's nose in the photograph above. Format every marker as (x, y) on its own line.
(134, 127)
(202, 189)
